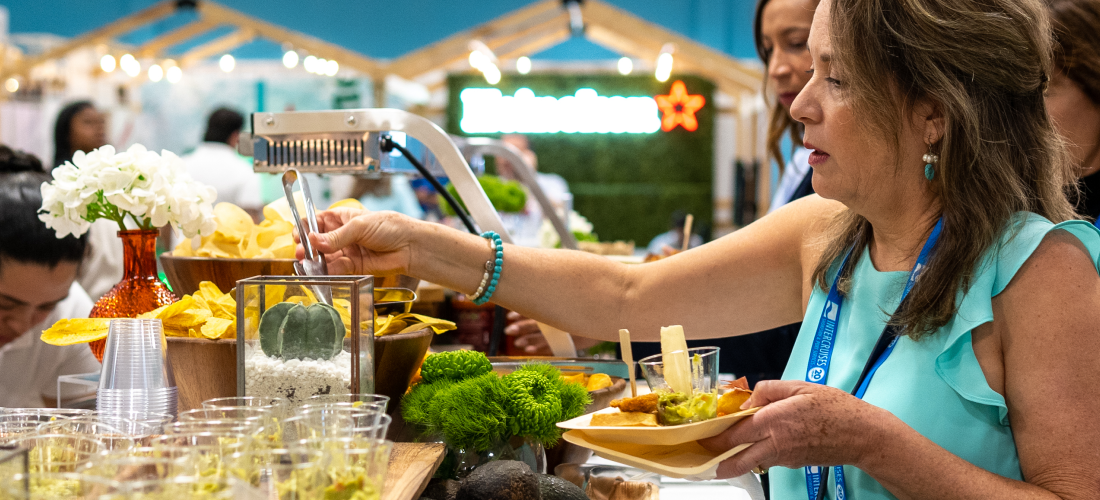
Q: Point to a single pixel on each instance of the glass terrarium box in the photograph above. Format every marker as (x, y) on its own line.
(305, 335)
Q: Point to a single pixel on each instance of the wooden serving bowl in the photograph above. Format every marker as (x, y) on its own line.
(396, 358)
(203, 368)
(185, 273)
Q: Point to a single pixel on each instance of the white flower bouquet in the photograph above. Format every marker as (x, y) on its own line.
(151, 189)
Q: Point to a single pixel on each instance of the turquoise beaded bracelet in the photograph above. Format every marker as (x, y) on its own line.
(493, 265)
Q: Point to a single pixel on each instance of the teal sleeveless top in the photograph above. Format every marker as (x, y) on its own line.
(934, 385)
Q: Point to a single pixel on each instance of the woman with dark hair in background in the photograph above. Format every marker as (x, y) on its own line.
(79, 127)
(780, 30)
(82, 127)
(1073, 98)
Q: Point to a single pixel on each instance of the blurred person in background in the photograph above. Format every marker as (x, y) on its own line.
(37, 288)
(553, 185)
(780, 31)
(388, 192)
(1073, 97)
(79, 127)
(82, 127)
(216, 163)
(672, 241)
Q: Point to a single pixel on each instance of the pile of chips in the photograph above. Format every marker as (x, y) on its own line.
(208, 314)
(238, 237)
(383, 325)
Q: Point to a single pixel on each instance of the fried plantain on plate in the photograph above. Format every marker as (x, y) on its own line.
(731, 401)
(645, 404)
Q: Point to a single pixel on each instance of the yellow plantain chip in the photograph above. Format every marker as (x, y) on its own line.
(232, 220)
(300, 299)
(575, 378)
(76, 331)
(176, 332)
(394, 326)
(348, 203)
(273, 294)
(188, 319)
(343, 306)
(217, 328)
(209, 291)
(224, 307)
(598, 381)
(436, 324)
(183, 249)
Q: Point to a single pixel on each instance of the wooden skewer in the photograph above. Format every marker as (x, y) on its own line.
(687, 232)
(628, 358)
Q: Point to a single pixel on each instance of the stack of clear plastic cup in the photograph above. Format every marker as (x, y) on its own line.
(136, 377)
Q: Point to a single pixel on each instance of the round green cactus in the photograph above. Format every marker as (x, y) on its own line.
(293, 331)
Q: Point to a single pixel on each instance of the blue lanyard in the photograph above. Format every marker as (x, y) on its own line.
(821, 352)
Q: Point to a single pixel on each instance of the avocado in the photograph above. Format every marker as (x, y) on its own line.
(556, 488)
(500, 480)
(441, 489)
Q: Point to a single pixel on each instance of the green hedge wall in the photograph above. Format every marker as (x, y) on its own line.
(627, 185)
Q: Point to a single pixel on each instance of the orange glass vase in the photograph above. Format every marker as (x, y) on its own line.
(140, 289)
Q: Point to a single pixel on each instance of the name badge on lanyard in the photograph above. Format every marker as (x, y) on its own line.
(821, 353)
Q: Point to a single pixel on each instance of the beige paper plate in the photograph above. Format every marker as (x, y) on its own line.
(678, 461)
(664, 436)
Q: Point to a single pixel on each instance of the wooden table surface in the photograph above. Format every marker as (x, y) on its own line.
(411, 466)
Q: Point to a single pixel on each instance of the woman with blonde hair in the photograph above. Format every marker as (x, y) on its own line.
(950, 300)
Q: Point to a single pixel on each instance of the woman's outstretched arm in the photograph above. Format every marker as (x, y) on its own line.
(753, 279)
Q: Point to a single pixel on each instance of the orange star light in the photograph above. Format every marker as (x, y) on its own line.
(678, 108)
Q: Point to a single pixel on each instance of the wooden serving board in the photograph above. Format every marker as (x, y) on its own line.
(411, 466)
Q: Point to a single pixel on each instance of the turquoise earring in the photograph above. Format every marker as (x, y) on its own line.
(930, 160)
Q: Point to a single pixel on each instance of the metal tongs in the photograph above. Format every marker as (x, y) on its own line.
(313, 264)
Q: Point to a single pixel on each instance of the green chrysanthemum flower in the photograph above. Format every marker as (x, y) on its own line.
(470, 414)
(455, 365)
(534, 403)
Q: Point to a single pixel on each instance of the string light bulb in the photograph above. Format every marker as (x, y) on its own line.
(290, 59)
(11, 85)
(107, 63)
(625, 66)
(129, 65)
(523, 65)
(173, 74)
(664, 63)
(156, 73)
(227, 63)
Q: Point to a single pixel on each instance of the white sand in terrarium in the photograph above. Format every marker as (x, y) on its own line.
(296, 379)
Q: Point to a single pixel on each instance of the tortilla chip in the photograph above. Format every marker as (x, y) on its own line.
(624, 419)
